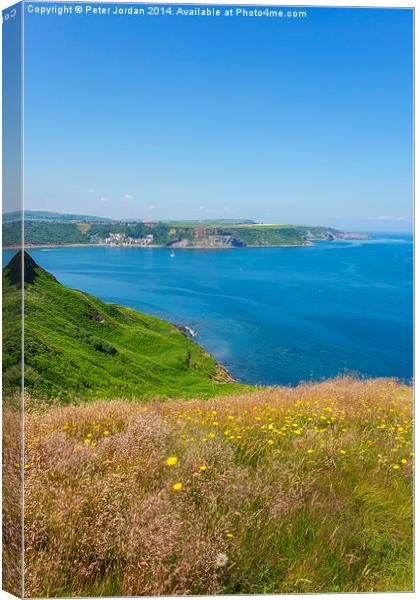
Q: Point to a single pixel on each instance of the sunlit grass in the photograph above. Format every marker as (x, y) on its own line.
(305, 489)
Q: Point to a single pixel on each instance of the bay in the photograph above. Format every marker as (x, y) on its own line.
(270, 315)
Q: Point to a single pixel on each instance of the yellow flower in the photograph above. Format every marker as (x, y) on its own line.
(177, 486)
(230, 535)
(396, 467)
(106, 433)
(310, 451)
(26, 466)
(343, 452)
(203, 468)
(270, 442)
(171, 461)
(404, 461)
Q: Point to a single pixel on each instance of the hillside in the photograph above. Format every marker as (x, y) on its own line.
(50, 232)
(288, 490)
(78, 347)
(46, 215)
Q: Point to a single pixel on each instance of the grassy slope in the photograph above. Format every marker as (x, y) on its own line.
(284, 490)
(77, 346)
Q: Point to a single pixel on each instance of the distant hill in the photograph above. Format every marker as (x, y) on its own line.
(189, 234)
(41, 215)
(77, 346)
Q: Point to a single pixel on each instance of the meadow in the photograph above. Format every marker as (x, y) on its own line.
(305, 489)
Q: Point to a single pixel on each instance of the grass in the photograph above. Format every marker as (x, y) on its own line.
(78, 347)
(287, 490)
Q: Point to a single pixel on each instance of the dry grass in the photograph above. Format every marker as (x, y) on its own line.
(284, 490)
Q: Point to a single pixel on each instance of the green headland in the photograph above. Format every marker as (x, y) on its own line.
(77, 346)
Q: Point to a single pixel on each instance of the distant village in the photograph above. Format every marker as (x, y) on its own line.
(121, 239)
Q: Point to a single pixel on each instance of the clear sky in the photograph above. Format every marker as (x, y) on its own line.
(279, 120)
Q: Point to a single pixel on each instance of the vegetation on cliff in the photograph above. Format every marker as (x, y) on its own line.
(78, 347)
(67, 231)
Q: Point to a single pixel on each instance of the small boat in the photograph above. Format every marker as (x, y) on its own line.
(172, 255)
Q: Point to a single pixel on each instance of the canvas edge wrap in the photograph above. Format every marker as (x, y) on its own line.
(13, 309)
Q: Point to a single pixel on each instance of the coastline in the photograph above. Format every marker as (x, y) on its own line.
(153, 246)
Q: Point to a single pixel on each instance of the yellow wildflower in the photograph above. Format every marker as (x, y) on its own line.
(171, 461)
(177, 486)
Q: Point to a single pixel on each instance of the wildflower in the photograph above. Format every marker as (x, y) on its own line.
(105, 433)
(221, 559)
(343, 452)
(203, 468)
(404, 461)
(310, 451)
(177, 486)
(396, 467)
(230, 535)
(171, 461)
(270, 442)
(26, 466)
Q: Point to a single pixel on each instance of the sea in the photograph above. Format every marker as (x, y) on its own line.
(270, 315)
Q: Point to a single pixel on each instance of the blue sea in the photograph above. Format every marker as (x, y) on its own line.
(270, 315)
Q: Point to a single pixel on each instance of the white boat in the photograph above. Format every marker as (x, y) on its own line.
(172, 255)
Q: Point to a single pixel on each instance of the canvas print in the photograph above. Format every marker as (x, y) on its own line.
(207, 299)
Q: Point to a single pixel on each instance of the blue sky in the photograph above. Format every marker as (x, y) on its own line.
(279, 120)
